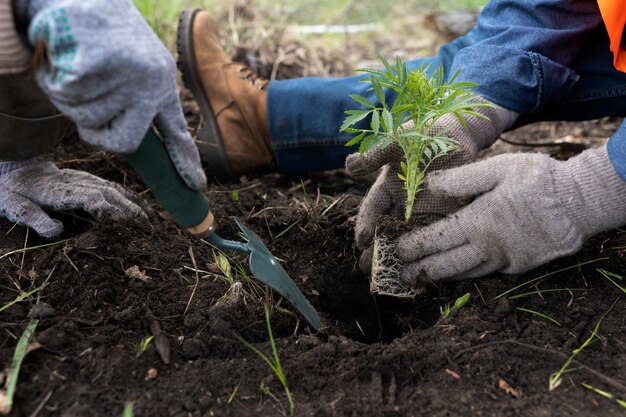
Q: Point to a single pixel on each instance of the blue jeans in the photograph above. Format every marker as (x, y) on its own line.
(545, 59)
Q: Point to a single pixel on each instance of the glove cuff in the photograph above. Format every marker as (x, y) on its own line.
(8, 166)
(592, 191)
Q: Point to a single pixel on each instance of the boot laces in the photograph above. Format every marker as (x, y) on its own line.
(256, 80)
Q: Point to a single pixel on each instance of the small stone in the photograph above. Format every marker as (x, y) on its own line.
(41, 310)
(192, 349)
(503, 308)
(151, 374)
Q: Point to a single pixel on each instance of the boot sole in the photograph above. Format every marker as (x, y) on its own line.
(209, 138)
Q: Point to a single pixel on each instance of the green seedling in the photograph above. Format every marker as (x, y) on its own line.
(556, 378)
(605, 394)
(421, 98)
(453, 308)
(273, 362)
(18, 357)
(234, 195)
(144, 345)
(224, 265)
(129, 409)
(231, 397)
(538, 314)
(264, 389)
(409, 122)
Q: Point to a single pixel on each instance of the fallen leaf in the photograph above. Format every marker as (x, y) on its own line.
(453, 374)
(135, 273)
(504, 386)
(161, 342)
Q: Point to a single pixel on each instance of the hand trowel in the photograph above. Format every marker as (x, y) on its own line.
(190, 210)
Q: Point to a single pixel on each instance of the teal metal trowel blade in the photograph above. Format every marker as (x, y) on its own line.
(266, 269)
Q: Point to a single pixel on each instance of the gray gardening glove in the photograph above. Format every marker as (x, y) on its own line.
(27, 187)
(527, 209)
(109, 73)
(388, 197)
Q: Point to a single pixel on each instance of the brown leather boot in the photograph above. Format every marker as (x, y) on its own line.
(232, 99)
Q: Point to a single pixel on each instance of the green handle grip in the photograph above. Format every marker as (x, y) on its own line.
(189, 208)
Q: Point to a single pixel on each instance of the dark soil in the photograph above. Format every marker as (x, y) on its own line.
(377, 356)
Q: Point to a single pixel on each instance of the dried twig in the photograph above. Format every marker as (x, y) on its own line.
(195, 287)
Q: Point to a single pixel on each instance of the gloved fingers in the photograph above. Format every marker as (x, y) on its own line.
(88, 181)
(358, 164)
(124, 133)
(101, 202)
(451, 265)
(466, 181)
(20, 209)
(437, 237)
(172, 126)
(365, 262)
(376, 203)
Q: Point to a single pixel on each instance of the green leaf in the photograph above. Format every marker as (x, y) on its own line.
(379, 93)
(354, 117)
(403, 167)
(368, 143)
(363, 101)
(388, 121)
(387, 66)
(375, 124)
(356, 139)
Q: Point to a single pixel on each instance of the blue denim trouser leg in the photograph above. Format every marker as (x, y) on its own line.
(547, 59)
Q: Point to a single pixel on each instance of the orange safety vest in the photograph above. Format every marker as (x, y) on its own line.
(614, 15)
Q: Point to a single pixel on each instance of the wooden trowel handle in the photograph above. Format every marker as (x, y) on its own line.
(189, 208)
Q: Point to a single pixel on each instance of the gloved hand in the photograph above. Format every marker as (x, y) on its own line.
(26, 188)
(109, 73)
(527, 210)
(388, 197)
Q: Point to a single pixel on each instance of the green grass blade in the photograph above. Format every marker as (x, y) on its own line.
(13, 252)
(23, 296)
(231, 398)
(537, 313)
(18, 357)
(549, 274)
(610, 275)
(555, 378)
(605, 394)
(129, 410)
(538, 292)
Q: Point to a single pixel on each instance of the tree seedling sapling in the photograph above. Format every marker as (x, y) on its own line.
(450, 309)
(407, 122)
